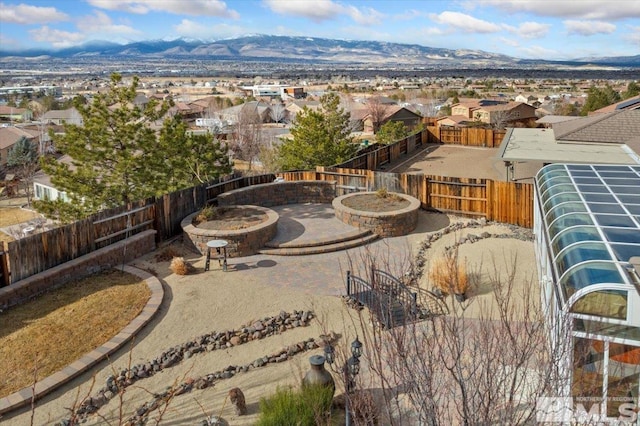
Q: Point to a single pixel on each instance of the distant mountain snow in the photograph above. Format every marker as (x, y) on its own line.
(253, 47)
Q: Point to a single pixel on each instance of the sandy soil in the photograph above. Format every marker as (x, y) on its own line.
(194, 306)
(463, 161)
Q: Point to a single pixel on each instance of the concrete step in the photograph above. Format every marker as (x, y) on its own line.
(318, 249)
(334, 239)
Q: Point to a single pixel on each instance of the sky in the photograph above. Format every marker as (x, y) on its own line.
(539, 29)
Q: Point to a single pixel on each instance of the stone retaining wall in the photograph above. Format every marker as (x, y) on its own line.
(242, 242)
(101, 259)
(385, 224)
(280, 193)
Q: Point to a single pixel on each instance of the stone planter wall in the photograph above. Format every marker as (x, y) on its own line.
(96, 261)
(242, 242)
(385, 224)
(280, 193)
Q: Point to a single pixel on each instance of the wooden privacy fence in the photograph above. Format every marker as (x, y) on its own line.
(507, 202)
(468, 136)
(384, 154)
(38, 252)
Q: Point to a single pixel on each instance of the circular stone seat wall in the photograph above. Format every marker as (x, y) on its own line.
(385, 224)
(242, 242)
(280, 193)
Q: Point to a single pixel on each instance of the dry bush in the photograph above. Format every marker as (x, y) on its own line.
(208, 213)
(449, 275)
(180, 266)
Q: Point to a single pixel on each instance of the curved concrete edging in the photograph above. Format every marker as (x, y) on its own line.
(23, 397)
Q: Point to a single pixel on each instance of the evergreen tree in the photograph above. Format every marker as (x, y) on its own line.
(117, 157)
(320, 138)
(392, 131)
(599, 98)
(633, 89)
(24, 156)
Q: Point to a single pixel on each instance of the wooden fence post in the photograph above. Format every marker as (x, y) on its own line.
(5, 274)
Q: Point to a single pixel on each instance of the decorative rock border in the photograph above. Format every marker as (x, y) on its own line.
(518, 233)
(386, 224)
(256, 330)
(242, 242)
(43, 387)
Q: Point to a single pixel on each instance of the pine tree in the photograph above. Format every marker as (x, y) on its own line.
(117, 156)
(320, 138)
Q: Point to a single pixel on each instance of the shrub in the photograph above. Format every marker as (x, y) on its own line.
(208, 213)
(180, 266)
(305, 407)
(167, 253)
(448, 275)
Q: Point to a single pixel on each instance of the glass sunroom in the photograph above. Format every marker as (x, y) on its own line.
(587, 227)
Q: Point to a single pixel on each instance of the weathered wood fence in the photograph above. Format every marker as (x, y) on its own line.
(38, 252)
(468, 136)
(507, 202)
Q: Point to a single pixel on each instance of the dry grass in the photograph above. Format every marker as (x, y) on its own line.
(449, 275)
(13, 216)
(179, 266)
(59, 327)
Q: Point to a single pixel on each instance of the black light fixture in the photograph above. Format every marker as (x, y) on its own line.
(350, 370)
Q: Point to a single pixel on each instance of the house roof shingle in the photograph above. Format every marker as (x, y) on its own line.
(615, 127)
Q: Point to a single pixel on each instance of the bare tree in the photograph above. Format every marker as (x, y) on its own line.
(482, 363)
(376, 111)
(278, 112)
(248, 135)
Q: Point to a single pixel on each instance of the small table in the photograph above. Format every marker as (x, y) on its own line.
(221, 250)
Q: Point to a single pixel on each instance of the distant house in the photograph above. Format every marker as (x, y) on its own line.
(296, 107)
(8, 137)
(231, 115)
(61, 116)
(495, 113)
(610, 138)
(394, 113)
(12, 114)
(453, 121)
(43, 189)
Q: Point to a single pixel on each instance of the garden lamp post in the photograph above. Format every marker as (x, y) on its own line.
(350, 370)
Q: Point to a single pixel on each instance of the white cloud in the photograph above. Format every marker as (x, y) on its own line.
(26, 14)
(587, 28)
(179, 7)
(409, 15)
(576, 9)
(188, 28)
(509, 41)
(56, 38)
(466, 23)
(528, 29)
(533, 30)
(324, 10)
(365, 16)
(318, 11)
(100, 23)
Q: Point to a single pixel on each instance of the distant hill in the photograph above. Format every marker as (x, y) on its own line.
(304, 49)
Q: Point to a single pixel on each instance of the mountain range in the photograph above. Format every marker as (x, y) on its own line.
(304, 49)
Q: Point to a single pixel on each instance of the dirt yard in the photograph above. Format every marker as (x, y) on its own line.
(462, 161)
